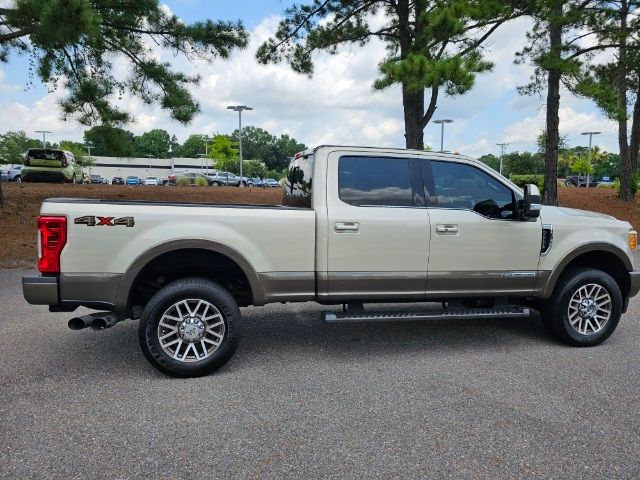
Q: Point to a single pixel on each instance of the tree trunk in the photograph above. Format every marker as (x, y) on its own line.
(634, 142)
(413, 103)
(621, 85)
(553, 106)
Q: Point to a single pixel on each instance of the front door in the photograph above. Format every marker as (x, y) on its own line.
(478, 246)
(378, 229)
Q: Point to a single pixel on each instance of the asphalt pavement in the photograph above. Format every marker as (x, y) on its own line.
(300, 399)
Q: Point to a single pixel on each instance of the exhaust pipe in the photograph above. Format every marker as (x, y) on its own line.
(97, 321)
(106, 320)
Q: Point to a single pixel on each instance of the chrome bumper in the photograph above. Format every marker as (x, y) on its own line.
(40, 290)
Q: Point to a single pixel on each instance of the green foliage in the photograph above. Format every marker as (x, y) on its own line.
(13, 145)
(223, 148)
(253, 168)
(201, 182)
(275, 152)
(522, 163)
(110, 141)
(153, 143)
(579, 164)
(193, 146)
(183, 182)
(491, 161)
(522, 180)
(74, 44)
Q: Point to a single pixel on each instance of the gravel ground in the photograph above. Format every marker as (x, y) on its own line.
(457, 399)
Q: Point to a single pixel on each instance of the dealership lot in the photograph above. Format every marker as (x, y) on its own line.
(474, 399)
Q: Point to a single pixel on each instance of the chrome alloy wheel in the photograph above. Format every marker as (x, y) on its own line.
(191, 330)
(589, 309)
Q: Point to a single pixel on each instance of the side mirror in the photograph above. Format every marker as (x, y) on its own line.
(530, 206)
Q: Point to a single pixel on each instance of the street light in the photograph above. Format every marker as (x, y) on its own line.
(43, 132)
(591, 134)
(502, 146)
(442, 122)
(239, 109)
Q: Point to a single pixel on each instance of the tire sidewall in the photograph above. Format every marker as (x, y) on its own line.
(181, 290)
(561, 307)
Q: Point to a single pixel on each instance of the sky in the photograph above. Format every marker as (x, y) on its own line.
(336, 106)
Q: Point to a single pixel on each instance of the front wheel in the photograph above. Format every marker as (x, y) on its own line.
(189, 328)
(585, 307)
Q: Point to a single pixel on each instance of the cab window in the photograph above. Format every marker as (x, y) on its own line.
(375, 181)
(462, 186)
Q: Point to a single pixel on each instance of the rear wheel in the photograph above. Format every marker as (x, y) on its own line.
(585, 307)
(189, 328)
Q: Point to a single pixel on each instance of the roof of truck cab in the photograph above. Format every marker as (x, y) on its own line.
(448, 155)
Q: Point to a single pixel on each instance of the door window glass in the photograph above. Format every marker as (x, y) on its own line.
(375, 181)
(462, 186)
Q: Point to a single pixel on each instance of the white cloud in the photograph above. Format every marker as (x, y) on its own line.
(336, 105)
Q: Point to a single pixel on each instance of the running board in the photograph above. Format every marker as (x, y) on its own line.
(510, 311)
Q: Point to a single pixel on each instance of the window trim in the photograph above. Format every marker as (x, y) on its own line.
(429, 179)
(415, 180)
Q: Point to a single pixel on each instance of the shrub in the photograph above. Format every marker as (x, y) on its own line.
(182, 182)
(201, 182)
(522, 180)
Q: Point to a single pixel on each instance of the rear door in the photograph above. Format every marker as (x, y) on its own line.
(378, 228)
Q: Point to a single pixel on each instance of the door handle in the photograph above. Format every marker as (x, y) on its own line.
(446, 229)
(343, 227)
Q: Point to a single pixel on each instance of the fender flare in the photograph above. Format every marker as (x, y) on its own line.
(132, 272)
(582, 249)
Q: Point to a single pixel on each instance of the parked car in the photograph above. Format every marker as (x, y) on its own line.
(117, 181)
(11, 174)
(104, 180)
(151, 181)
(95, 179)
(217, 179)
(580, 181)
(133, 180)
(50, 165)
(256, 182)
(272, 182)
(191, 177)
(384, 226)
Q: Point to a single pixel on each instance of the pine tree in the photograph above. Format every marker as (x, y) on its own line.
(432, 45)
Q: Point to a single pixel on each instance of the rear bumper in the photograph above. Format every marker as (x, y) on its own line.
(40, 290)
(43, 176)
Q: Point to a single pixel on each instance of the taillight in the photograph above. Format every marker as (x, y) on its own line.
(26, 160)
(52, 236)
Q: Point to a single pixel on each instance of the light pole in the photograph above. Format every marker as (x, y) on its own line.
(239, 109)
(502, 147)
(442, 122)
(591, 134)
(44, 139)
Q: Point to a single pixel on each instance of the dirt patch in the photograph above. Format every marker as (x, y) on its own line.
(603, 200)
(22, 204)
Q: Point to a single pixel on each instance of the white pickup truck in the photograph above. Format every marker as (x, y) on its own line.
(356, 225)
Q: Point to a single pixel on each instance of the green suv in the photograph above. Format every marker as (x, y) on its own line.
(50, 165)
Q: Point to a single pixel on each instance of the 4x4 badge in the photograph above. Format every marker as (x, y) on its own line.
(92, 221)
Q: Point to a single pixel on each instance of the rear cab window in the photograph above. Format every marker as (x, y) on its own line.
(375, 181)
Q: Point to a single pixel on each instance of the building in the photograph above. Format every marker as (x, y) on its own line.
(110, 167)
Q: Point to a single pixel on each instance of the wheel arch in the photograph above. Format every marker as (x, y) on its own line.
(145, 259)
(603, 256)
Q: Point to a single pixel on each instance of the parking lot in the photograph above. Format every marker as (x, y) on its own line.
(458, 399)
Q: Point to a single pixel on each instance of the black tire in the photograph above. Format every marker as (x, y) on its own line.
(554, 312)
(189, 288)
(215, 184)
